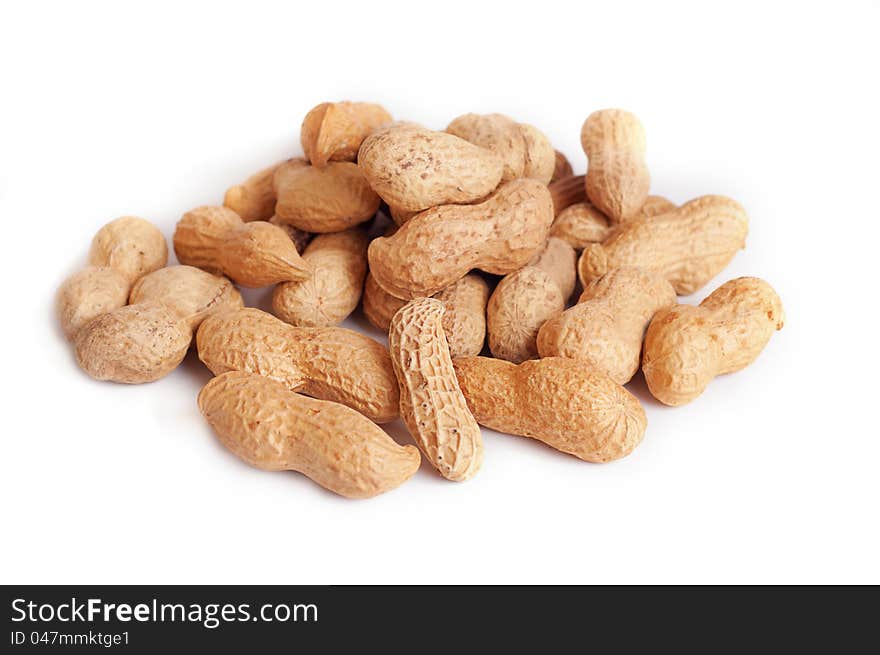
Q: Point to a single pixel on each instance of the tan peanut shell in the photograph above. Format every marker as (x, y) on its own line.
(338, 263)
(334, 131)
(567, 192)
(329, 199)
(413, 168)
(329, 363)
(686, 347)
(192, 293)
(275, 429)
(607, 326)
(300, 238)
(88, 293)
(148, 339)
(431, 404)
(254, 199)
(688, 246)
(464, 320)
(580, 225)
(540, 162)
(617, 180)
(439, 246)
(654, 206)
(525, 299)
(568, 405)
(561, 167)
(131, 245)
(254, 254)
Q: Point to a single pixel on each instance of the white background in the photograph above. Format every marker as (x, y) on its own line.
(152, 109)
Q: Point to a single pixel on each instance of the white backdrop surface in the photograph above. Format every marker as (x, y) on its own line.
(151, 109)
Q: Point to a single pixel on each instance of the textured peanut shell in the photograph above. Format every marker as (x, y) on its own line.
(566, 404)
(275, 429)
(400, 216)
(329, 199)
(300, 238)
(524, 300)
(334, 131)
(607, 326)
(439, 246)
(567, 192)
(464, 320)
(254, 199)
(617, 180)
(580, 225)
(654, 206)
(193, 294)
(540, 160)
(498, 134)
(561, 167)
(133, 344)
(131, 245)
(88, 293)
(328, 363)
(688, 246)
(414, 168)
(254, 254)
(339, 264)
(431, 404)
(686, 347)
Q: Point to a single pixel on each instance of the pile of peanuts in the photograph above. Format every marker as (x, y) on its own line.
(489, 235)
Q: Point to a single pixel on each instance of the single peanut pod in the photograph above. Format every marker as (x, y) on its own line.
(686, 347)
(192, 293)
(564, 403)
(299, 237)
(431, 403)
(580, 225)
(540, 159)
(329, 363)
(254, 254)
(607, 326)
(567, 192)
(618, 180)
(329, 199)
(254, 199)
(334, 131)
(148, 339)
(464, 320)
(338, 263)
(523, 301)
(274, 429)
(88, 293)
(498, 134)
(561, 167)
(414, 168)
(654, 206)
(688, 246)
(439, 246)
(131, 245)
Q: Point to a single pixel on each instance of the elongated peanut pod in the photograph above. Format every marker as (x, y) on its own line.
(568, 405)
(274, 429)
(328, 363)
(254, 199)
(254, 254)
(524, 300)
(607, 326)
(580, 225)
(617, 179)
(439, 246)
(148, 339)
(464, 320)
(414, 168)
(431, 403)
(334, 131)
(89, 293)
(688, 246)
(686, 347)
(329, 199)
(338, 263)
